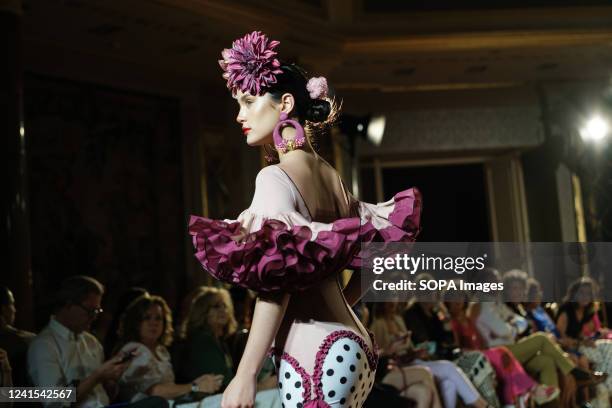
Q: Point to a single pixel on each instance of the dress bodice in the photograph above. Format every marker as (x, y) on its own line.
(275, 245)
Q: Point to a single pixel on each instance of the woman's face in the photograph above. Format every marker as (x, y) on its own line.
(584, 295)
(152, 325)
(218, 315)
(258, 116)
(515, 292)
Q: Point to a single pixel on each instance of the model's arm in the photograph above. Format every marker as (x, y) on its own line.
(269, 312)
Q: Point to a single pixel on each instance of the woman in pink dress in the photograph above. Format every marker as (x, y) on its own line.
(516, 385)
(302, 228)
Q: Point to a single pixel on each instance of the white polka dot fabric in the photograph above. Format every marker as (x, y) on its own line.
(291, 385)
(345, 376)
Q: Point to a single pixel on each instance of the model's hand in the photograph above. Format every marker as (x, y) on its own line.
(240, 393)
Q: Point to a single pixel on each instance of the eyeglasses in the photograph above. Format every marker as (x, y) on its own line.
(90, 312)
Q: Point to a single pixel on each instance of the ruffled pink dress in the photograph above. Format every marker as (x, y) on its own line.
(324, 356)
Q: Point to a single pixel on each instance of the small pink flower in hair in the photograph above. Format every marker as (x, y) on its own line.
(317, 87)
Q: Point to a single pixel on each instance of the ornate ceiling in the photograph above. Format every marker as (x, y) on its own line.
(362, 45)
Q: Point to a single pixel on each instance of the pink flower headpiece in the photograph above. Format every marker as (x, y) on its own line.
(250, 65)
(317, 87)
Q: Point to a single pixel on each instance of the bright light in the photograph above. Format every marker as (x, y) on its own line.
(376, 129)
(595, 129)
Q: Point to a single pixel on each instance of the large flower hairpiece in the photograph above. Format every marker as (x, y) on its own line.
(250, 65)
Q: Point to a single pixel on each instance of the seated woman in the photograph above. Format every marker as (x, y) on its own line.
(538, 354)
(208, 325)
(543, 322)
(145, 331)
(515, 383)
(428, 320)
(580, 328)
(515, 290)
(394, 339)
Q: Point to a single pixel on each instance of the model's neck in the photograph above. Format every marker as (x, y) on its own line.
(297, 154)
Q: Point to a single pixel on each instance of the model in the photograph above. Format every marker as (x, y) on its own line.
(302, 229)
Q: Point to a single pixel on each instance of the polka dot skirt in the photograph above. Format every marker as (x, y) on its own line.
(343, 374)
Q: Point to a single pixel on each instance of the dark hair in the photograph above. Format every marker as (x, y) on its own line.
(75, 289)
(573, 289)
(293, 80)
(129, 327)
(533, 289)
(5, 296)
(124, 301)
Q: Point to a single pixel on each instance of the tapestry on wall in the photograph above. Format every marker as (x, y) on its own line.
(105, 188)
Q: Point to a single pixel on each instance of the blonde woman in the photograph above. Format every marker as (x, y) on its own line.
(206, 329)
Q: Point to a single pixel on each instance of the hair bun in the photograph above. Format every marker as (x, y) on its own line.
(318, 111)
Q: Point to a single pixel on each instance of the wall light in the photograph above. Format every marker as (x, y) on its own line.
(595, 129)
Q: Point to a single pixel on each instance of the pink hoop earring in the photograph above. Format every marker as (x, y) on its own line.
(282, 145)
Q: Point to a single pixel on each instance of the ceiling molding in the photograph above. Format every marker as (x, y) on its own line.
(478, 41)
(426, 87)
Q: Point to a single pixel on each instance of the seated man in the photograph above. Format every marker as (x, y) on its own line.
(64, 353)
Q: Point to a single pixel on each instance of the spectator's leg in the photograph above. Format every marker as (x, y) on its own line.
(403, 378)
(528, 348)
(543, 367)
(447, 371)
(449, 393)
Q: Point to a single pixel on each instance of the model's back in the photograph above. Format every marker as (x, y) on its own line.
(319, 186)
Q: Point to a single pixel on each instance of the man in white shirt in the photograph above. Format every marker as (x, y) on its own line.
(65, 354)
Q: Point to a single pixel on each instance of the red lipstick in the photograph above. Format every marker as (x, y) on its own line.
(246, 130)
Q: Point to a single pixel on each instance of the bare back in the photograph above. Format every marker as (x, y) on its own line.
(320, 187)
(327, 200)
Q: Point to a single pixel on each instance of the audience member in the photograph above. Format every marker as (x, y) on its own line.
(110, 341)
(429, 322)
(393, 338)
(6, 372)
(208, 328)
(65, 354)
(426, 318)
(14, 341)
(579, 326)
(515, 384)
(145, 332)
(540, 356)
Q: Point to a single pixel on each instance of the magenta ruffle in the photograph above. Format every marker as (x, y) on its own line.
(282, 257)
